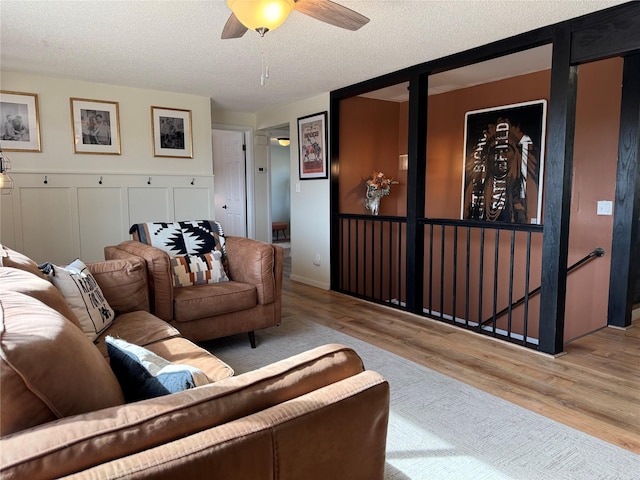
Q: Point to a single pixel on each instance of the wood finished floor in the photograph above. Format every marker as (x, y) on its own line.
(594, 387)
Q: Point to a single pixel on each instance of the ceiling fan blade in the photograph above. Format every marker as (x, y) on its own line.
(332, 13)
(233, 28)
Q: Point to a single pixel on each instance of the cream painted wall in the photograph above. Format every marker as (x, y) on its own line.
(232, 118)
(135, 128)
(310, 207)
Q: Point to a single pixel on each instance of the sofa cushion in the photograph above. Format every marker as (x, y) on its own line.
(83, 294)
(202, 301)
(48, 367)
(15, 280)
(198, 269)
(141, 328)
(11, 258)
(181, 350)
(143, 374)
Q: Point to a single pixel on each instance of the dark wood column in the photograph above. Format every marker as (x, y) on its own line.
(624, 247)
(558, 170)
(418, 99)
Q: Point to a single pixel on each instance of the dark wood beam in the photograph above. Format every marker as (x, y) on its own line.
(611, 33)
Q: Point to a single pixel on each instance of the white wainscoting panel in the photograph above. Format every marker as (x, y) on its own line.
(100, 219)
(149, 204)
(48, 229)
(194, 203)
(62, 216)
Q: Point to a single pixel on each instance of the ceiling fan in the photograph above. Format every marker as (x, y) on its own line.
(265, 15)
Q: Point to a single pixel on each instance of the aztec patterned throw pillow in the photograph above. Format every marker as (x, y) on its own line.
(198, 269)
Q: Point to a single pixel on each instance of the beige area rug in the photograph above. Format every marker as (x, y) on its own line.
(443, 429)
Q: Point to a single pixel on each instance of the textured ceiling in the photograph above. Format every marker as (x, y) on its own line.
(176, 46)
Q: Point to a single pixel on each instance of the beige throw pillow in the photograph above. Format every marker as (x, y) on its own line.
(84, 296)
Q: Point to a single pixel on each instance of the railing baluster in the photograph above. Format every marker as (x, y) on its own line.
(442, 263)
(390, 251)
(382, 262)
(526, 289)
(431, 269)
(481, 277)
(357, 257)
(511, 266)
(400, 265)
(496, 251)
(364, 258)
(467, 278)
(455, 272)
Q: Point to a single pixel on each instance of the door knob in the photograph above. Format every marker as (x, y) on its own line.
(224, 206)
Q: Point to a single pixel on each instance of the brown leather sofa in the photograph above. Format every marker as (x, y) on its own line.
(316, 415)
(250, 301)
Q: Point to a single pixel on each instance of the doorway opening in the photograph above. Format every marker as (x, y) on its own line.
(280, 191)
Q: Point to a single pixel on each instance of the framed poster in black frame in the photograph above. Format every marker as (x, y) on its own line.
(312, 146)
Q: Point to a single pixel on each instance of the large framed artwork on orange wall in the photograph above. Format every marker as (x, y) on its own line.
(503, 164)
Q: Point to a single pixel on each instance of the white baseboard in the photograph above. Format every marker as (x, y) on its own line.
(308, 281)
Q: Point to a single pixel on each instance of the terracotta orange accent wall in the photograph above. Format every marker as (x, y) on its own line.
(369, 132)
(595, 162)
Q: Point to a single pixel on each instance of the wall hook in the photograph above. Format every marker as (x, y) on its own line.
(100, 181)
(149, 181)
(45, 180)
(193, 181)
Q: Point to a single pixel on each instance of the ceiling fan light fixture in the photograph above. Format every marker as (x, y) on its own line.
(261, 15)
(284, 141)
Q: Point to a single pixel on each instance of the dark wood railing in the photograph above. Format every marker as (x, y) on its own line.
(469, 269)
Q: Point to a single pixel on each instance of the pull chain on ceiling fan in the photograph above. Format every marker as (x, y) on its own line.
(265, 15)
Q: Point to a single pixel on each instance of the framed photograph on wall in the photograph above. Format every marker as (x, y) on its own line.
(20, 122)
(171, 130)
(312, 146)
(96, 126)
(503, 165)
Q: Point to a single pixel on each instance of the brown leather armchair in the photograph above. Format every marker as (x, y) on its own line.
(249, 301)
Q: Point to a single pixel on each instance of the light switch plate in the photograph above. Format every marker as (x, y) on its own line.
(605, 207)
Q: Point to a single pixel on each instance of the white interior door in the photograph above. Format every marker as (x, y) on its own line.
(229, 181)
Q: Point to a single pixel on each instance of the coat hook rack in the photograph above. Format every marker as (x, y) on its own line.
(45, 180)
(149, 181)
(100, 181)
(193, 181)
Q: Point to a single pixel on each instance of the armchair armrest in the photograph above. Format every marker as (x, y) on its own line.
(256, 263)
(158, 266)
